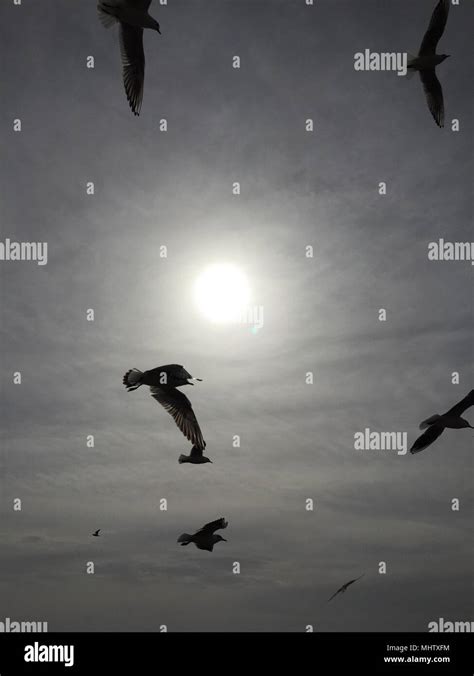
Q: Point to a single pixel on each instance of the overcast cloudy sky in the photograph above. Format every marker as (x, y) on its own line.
(321, 315)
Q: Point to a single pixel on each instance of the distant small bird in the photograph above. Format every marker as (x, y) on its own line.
(96, 533)
(195, 457)
(163, 382)
(427, 60)
(342, 589)
(133, 17)
(205, 538)
(437, 423)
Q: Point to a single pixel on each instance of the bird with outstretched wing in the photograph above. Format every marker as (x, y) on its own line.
(342, 589)
(436, 424)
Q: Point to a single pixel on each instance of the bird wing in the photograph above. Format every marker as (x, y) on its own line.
(179, 406)
(212, 526)
(336, 593)
(354, 580)
(461, 406)
(434, 95)
(106, 19)
(436, 28)
(133, 64)
(427, 438)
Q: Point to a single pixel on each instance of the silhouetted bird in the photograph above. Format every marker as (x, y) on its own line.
(195, 457)
(342, 589)
(163, 382)
(96, 533)
(427, 60)
(133, 17)
(205, 538)
(437, 423)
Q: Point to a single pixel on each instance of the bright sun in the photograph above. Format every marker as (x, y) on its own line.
(222, 292)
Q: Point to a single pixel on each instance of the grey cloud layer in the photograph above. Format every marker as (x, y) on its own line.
(320, 315)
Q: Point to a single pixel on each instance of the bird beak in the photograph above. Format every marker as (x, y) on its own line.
(224, 540)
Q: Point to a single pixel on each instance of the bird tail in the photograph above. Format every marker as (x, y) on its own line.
(185, 539)
(106, 19)
(132, 379)
(183, 458)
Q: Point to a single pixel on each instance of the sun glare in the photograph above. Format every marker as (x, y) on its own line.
(221, 293)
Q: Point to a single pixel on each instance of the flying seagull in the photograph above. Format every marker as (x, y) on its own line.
(132, 17)
(195, 457)
(342, 589)
(96, 533)
(427, 60)
(163, 382)
(205, 537)
(437, 423)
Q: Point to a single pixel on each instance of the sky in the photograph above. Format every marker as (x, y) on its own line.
(321, 315)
